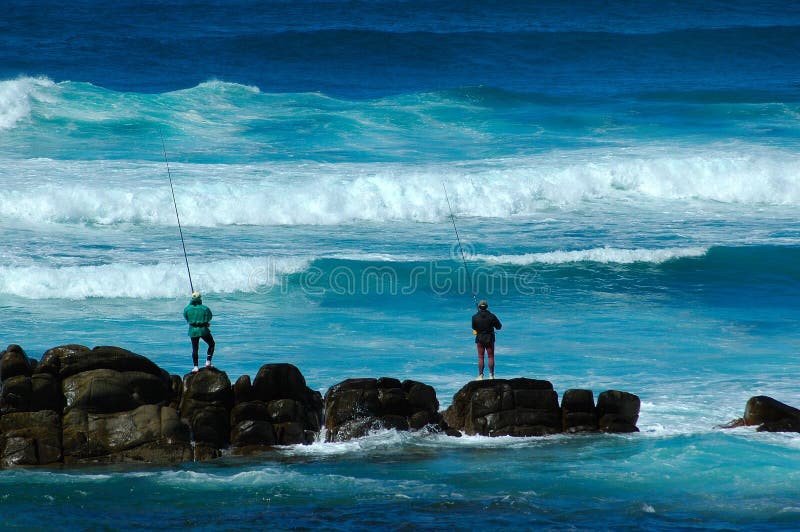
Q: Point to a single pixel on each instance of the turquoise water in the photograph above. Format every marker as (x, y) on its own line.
(624, 184)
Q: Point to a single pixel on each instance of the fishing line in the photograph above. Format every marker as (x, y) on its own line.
(180, 230)
(461, 249)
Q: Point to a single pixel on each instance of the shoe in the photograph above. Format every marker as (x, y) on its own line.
(209, 364)
(480, 377)
(491, 375)
(195, 369)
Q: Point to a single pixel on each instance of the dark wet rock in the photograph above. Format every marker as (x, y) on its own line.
(618, 411)
(278, 400)
(107, 390)
(242, 390)
(769, 414)
(356, 407)
(30, 438)
(30, 394)
(255, 410)
(279, 381)
(578, 412)
(68, 360)
(14, 362)
(251, 432)
(176, 389)
(505, 407)
(148, 433)
(110, 405)
(206, 405)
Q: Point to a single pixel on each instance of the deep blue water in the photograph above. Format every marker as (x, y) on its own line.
(625, 185)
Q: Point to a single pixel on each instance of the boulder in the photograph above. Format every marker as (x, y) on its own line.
(23, 393)
(578, 412)
(505, 407)
(108, 390)
(618, 411)
(67, 360)
(769, 414)
(242, 389)
(206, 404)
(355, 407)
(150, 433)
(294, 410)
(14, 362)
(30, 438)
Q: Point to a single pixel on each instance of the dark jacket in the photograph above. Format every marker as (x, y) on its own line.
(198, 316)
(484, 323)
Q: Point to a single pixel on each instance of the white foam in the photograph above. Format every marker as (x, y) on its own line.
(161, 280)
(604, 255)
(16, 97)
(109, 192)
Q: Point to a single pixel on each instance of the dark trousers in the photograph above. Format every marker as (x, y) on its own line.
(489, 350)
(196, 346)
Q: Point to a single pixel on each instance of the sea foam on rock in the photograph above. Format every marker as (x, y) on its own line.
(355, 407)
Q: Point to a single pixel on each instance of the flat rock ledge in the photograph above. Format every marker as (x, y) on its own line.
(770, 415)
(105, 405)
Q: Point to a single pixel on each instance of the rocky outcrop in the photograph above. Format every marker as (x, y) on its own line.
(500, 407)
(528, 407)
(206, 405)
(109, 405)
(770, 415)
(618, 411)
(355, 407)
(30, 409)
(276, 409)
(578, 412)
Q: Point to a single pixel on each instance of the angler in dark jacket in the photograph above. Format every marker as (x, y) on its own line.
(199, 316)
(484, 324)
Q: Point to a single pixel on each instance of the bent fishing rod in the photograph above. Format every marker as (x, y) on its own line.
(178, 216)
(460, 248)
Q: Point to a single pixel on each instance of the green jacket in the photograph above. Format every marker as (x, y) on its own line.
(198, 316)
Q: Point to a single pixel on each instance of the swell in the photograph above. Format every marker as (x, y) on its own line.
(720, 274)
(218, 122)
(333, 61)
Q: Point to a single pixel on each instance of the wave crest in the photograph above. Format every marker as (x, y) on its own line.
(16, 97)
(604, 255)
(145, 281)
(102, 192)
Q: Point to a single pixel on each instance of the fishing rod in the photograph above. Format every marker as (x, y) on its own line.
(460, 248)
(178, 216)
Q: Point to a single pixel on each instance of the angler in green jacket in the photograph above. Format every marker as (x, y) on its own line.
(198, 315)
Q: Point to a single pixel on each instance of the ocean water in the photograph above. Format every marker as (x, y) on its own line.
(625, 183)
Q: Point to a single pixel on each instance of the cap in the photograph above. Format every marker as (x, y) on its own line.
(483, 304)
(196, 295)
